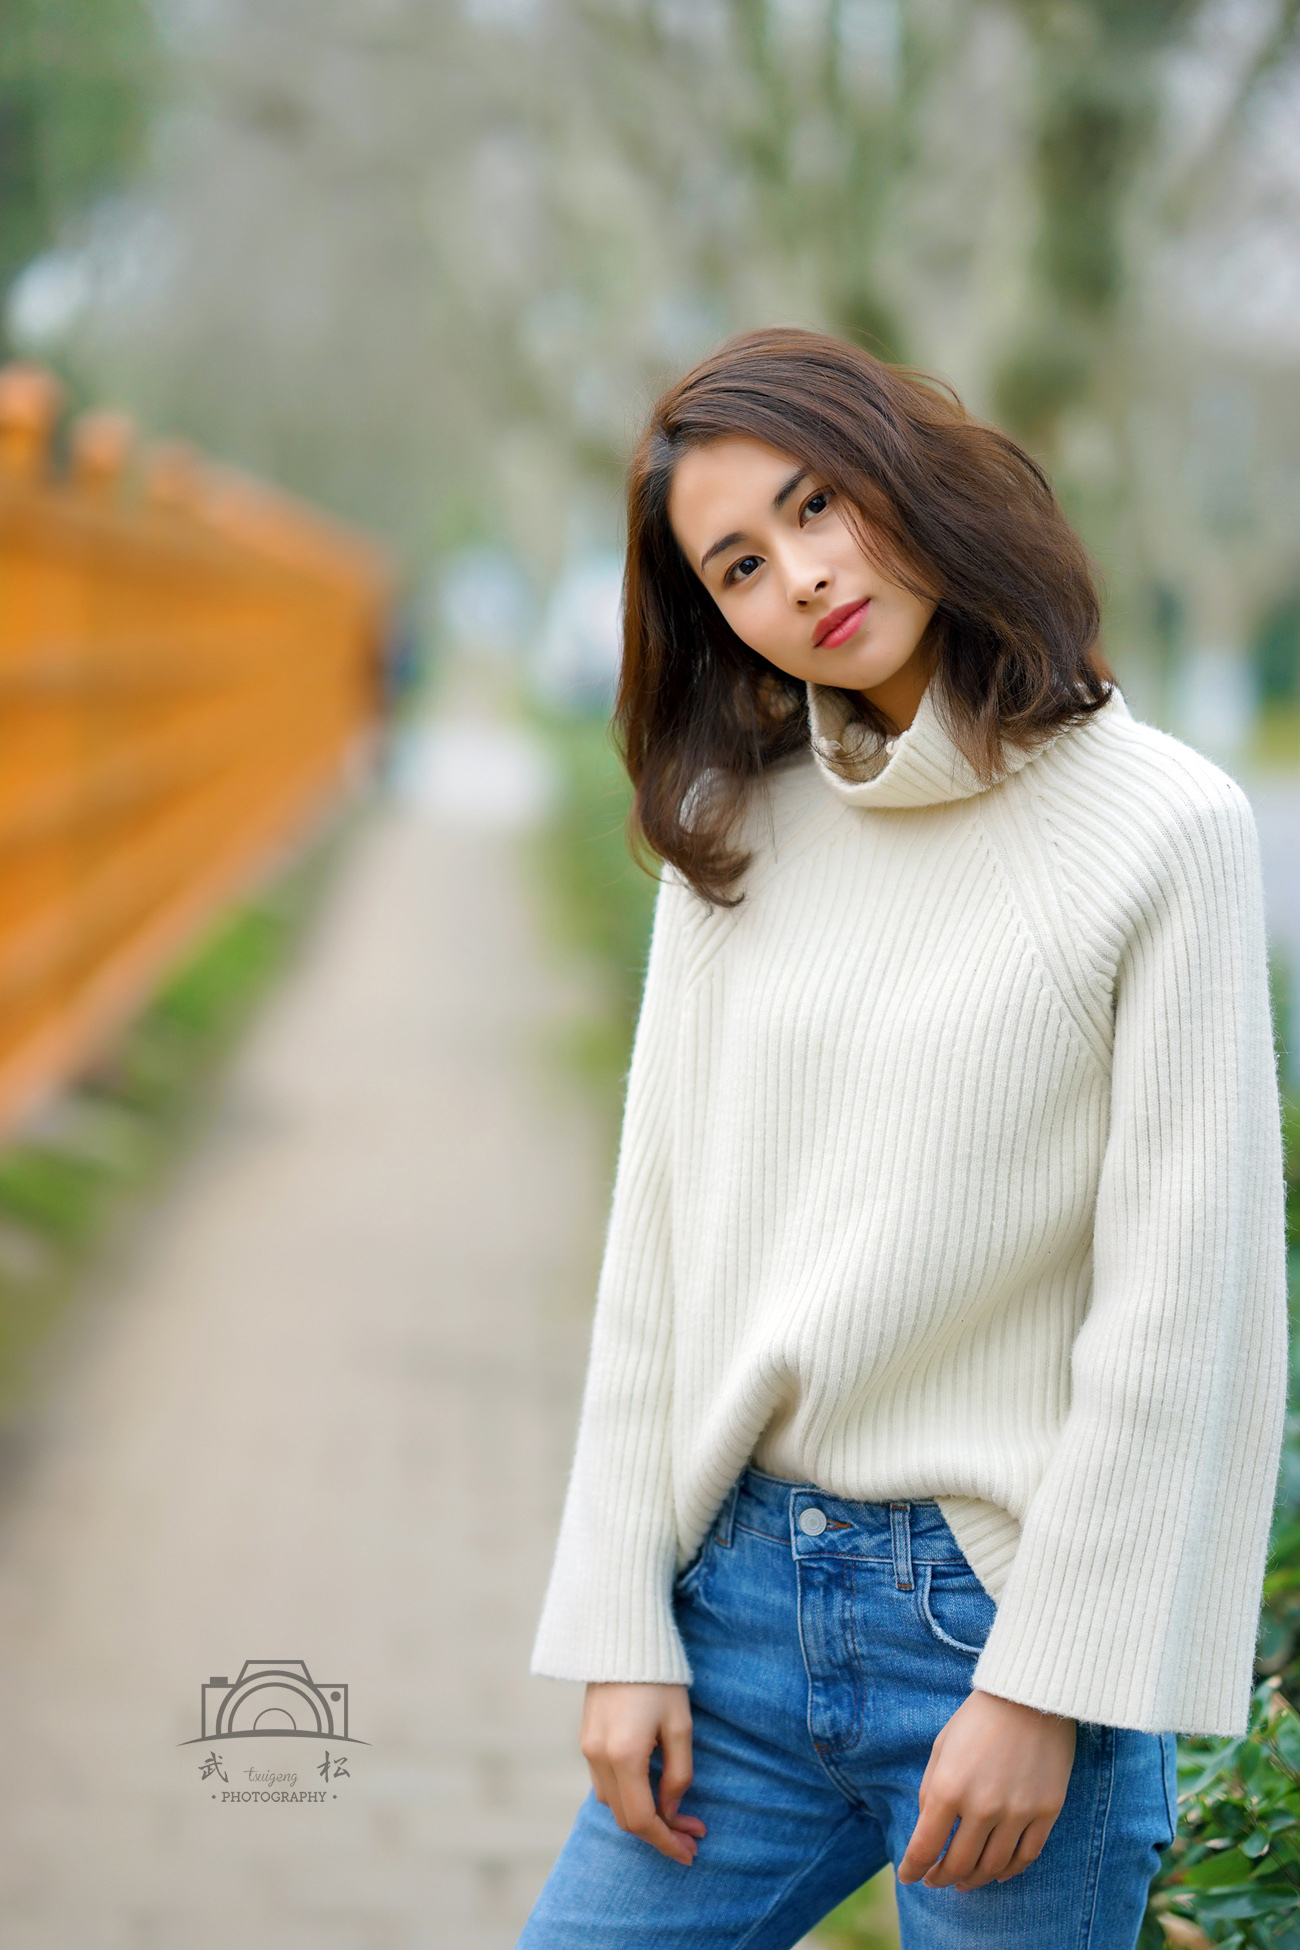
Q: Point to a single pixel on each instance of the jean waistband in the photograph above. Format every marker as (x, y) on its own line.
(814, 1524)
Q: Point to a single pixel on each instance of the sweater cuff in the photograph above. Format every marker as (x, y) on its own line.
(1100, 1656)
(598, 1625)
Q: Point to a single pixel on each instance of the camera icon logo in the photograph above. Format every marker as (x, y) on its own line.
(273, 1696)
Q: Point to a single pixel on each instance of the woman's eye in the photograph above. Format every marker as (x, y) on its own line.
(745, 567)
(817, 504)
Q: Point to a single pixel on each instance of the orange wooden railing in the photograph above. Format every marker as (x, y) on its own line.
(186, 674)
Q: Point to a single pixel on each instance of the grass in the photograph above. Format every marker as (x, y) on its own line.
(867, 1921)
(598, 902)
(1275, 746)
(100, 1148)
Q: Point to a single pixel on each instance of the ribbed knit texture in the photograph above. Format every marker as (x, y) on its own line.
(951, 1168)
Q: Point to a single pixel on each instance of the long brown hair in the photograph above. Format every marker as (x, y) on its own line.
(945, 503)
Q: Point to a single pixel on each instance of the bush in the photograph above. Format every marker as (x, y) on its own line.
(1232, 1876)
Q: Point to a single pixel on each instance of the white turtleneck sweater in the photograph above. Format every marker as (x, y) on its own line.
(951, 1168)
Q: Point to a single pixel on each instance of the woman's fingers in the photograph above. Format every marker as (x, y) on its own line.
(622, 1725)
(995, 1858)
(678, 1769)
(640, 1816)
(963, 1853)
(928, 1837)
(1029, 1848)
(1009, 1848)
(997, 1777)
(605, 1788)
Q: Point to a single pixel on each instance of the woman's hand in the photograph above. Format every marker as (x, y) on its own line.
(621, 1727)
(1000, 1771)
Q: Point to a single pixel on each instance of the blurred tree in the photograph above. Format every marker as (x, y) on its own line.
(1277, 653)
(427, 262)
(1098, 123)
(74, 97)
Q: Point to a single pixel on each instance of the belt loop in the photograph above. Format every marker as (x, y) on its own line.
(727, 1514)
(900, 1530)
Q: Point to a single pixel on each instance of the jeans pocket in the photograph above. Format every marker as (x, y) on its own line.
(687, 1582)
(955, 1606)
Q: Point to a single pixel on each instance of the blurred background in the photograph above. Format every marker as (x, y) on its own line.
(316, 1032)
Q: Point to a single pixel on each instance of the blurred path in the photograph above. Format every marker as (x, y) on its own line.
(325, 1414)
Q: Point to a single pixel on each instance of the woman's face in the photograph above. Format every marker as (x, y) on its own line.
(780, 558)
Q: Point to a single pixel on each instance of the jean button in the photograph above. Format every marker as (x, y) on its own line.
(812, 1522)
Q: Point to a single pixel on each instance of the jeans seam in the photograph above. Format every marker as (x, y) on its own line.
(725, 1521)
(764, 1536)
(830, 1843)
(1168, 1774)
(850, 1639)
(689, 1578)
(1092, 1887)
(900, 1534)
(841, 1787)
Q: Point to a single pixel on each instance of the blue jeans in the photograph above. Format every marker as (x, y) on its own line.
(827, 1655)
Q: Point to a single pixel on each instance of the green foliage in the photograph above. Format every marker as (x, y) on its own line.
(862, 316)
(75, 78)
(810, 153)
(1276, 652)
(1090, 138)
(210, 992)
(867, 1921)
(1234, 1869)
(59, 1195)
(1036, 383)
(1278, 1652)
(1096, 125)
(64, 1183)
(599, 901)
(1118, 26)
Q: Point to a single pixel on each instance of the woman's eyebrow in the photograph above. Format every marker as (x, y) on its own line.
(783, 494)
(724, 541)
(779, 500)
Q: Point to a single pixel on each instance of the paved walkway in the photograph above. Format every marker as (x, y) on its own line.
(324, 1415)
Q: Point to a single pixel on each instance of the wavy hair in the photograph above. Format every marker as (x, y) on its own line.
(945, 503)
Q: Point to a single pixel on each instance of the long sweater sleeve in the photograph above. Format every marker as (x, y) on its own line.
(1125, 1600)
(608, 1611)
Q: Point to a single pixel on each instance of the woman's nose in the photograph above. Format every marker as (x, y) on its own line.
(807, 588)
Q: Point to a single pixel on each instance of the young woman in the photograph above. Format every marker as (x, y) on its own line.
(935, 1396)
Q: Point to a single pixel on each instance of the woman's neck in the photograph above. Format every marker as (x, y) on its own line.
(898, 698)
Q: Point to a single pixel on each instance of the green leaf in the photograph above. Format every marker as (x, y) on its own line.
(1247, 1902)
(1256, 1845)
(1286, 1738)
(1213, 1767)
(1220, 1871)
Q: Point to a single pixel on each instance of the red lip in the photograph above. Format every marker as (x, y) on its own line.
(830, 625)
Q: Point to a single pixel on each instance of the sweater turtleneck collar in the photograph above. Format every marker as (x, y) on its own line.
(921, 767)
